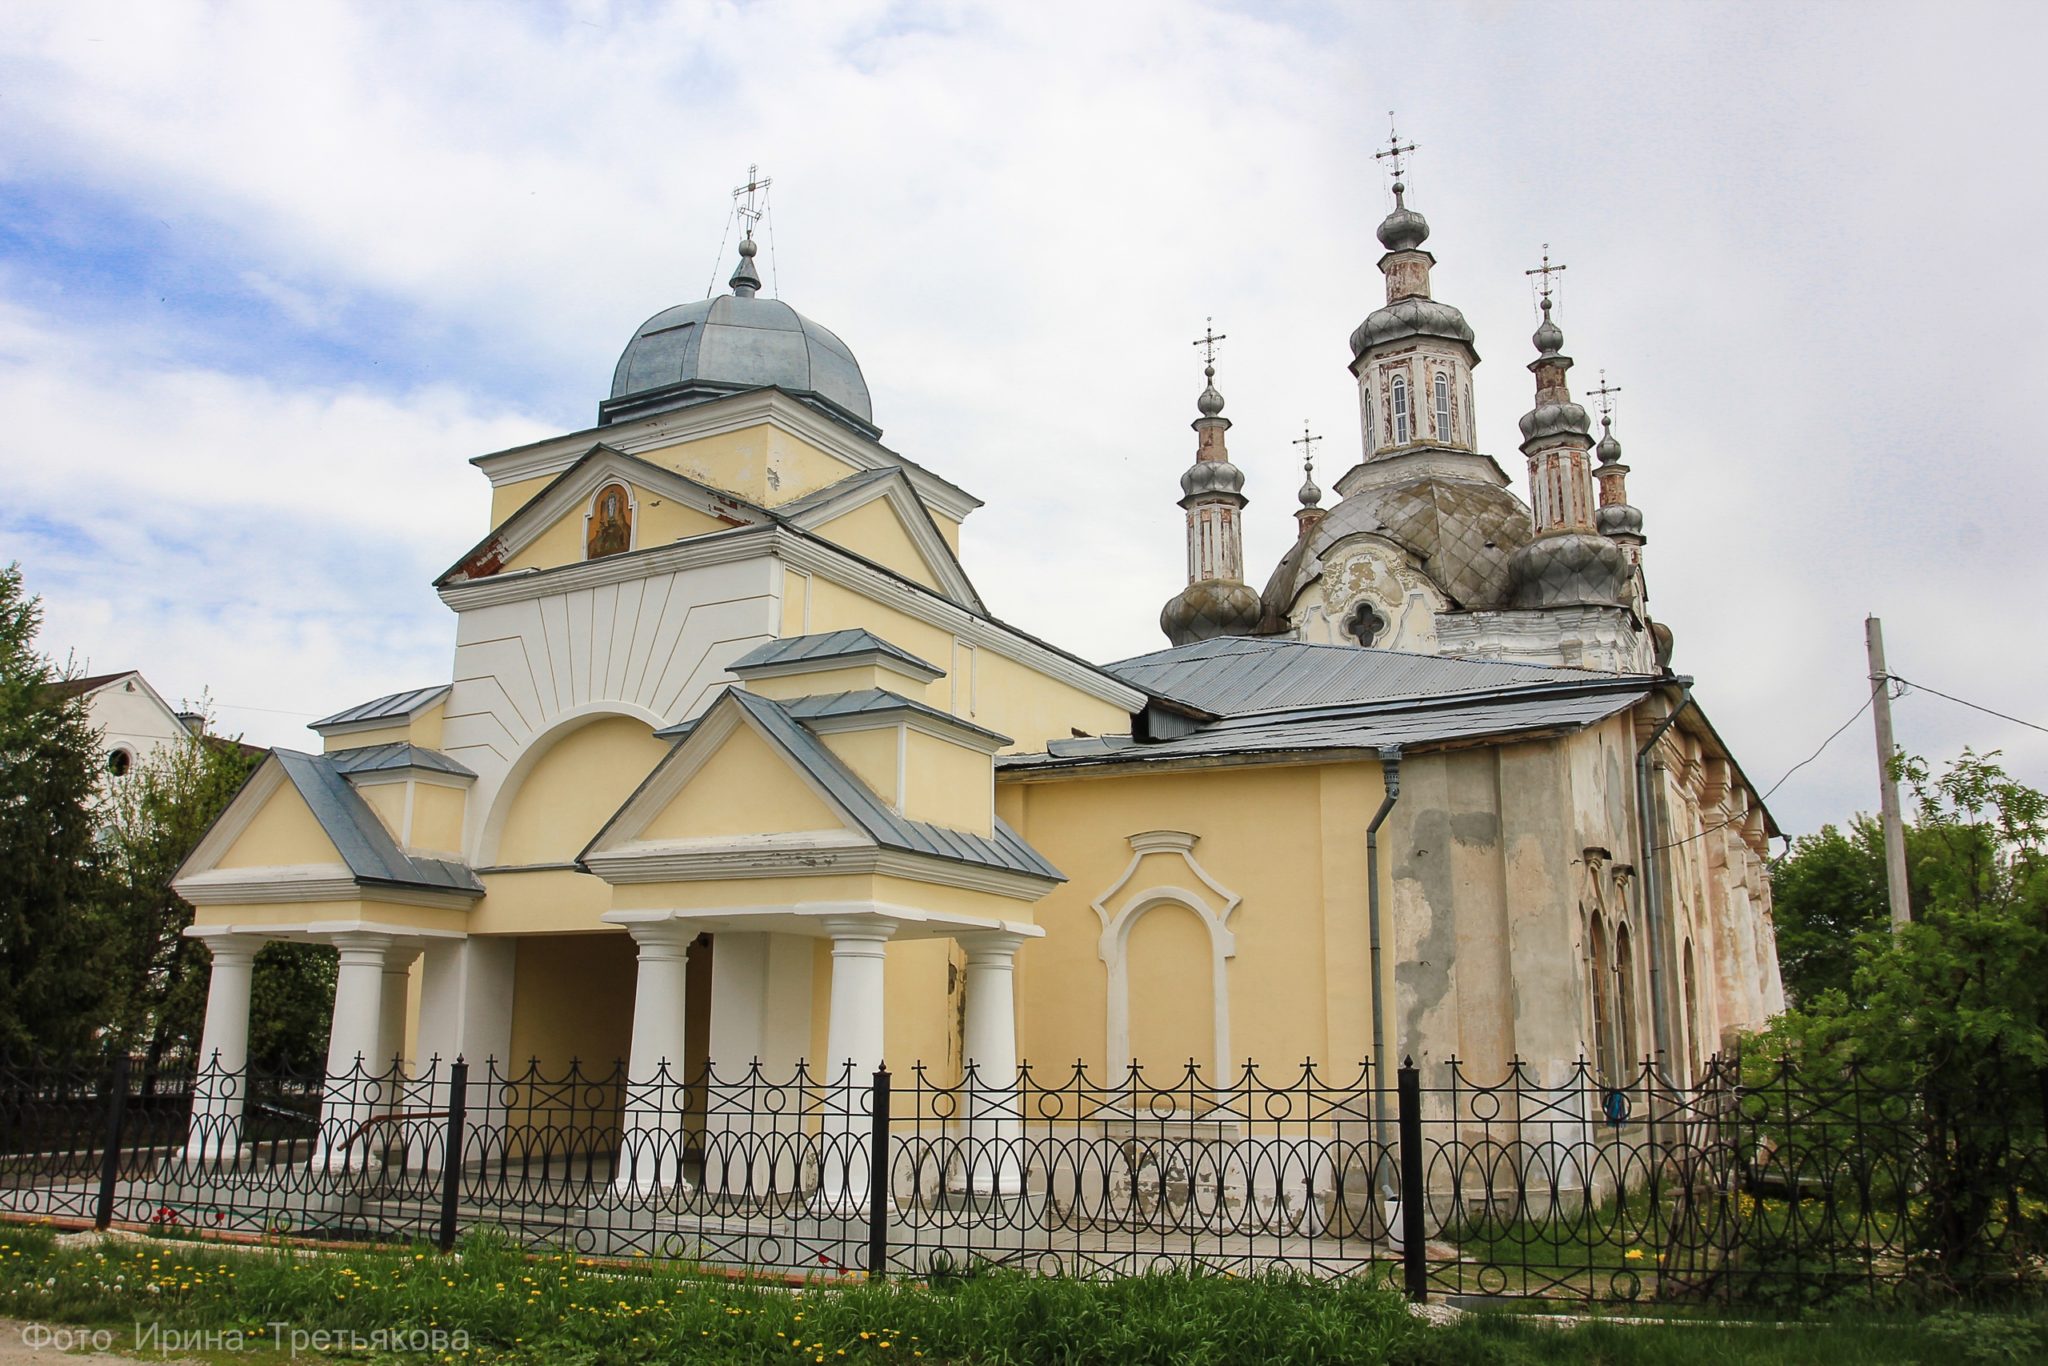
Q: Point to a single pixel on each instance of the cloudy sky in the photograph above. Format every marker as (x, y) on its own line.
(270, 274)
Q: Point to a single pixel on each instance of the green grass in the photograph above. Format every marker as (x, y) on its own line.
(563, 1311)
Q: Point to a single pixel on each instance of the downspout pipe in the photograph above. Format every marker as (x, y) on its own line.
(1390, 783)
(1648, 837)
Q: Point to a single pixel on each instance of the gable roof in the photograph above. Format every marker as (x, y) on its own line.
(390, 707)
(396, 754)
(829, 649)
(72, 687)
(366, 848)
(1233, 675)
(814, 510)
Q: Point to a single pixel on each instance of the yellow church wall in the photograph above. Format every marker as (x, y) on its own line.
(1261, 836)
(744, 788)
(858, 888)
(437, 814)
(388, 801)
(782, 687)
(573, 788)
(660, 521)
(948, 528)
(423, 730)
(572, 997)
(873, 756)
(1173, 1012)
(284, 915)
(762, 463)
(948, 784)
(875, 531)
(1003, 695)
(920, 1023)
(507, 499)
(540, 901)
(284, 833)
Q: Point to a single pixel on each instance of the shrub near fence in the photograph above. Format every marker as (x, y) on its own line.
(1778, 1187)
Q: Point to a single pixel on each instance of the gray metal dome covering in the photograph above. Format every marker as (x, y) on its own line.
(1414, 317)
(1569, 569)
(1462, 535)
(731, 344)
(1211, 608)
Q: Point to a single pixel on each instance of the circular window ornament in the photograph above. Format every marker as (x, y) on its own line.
(119, 761)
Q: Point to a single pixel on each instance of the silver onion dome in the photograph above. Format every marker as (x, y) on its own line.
(1403, 229)
(1619, 519)
(1211, 476)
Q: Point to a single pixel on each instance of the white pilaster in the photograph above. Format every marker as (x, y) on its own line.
(853, 1046)
(354, 1036)
(222, 1085)
(995, 1128)
(391, 1014)
(650, 1155)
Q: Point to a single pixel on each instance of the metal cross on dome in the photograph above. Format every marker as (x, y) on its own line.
(1207, 341)
(1604, 394)
(1308, 448)
(749, 214)
(1394, 148)
(1546, 270)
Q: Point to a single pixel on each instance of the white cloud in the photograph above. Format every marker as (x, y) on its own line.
(1798, 244)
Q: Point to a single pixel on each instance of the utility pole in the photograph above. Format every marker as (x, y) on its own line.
(1887, 785)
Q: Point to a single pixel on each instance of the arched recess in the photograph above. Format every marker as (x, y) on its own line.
(1121, 907)
(567, 782)
(1625, 1000)
(1603, 1026)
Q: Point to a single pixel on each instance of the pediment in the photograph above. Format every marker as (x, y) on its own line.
(878, 516)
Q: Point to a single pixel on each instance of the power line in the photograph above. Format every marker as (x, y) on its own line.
(1971, 705)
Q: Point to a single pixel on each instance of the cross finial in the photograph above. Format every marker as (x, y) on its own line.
(1308, 449)
(1207, 341)
(749, 214)
(1395, 151)
(1546, 270)
(1605, 393)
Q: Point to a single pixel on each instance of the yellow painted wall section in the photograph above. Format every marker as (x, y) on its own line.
(1261, 836)
(423, 730)
(873, 757)
(659, 521)
(781, 892)
(761, 463)
(437, 817)
(782, 687)
(388, 801)
(920, 1024)
(948, 784)
(1172, 1002)
(574, 787)
(1006, 696)
(874, 531)
(507, 499)
(283, 833)
(948, 528)
(543, 901)
(572, 997)
(745, 788)
(284, 915)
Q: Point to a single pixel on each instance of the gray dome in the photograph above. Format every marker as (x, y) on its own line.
(1569, 569)
(1416, 317)
(1403, 230)
(1214, 607)
(727, 345)
(1212, 476)
(1460, 533)
(1550, 419)
(1619, 519)
(1609, 449)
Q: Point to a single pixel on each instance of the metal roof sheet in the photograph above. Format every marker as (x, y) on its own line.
(396, 754)
(1232, 675)
(824, 648)
(878, 701)
(1004, 850)
(365, 846)
(390, 705)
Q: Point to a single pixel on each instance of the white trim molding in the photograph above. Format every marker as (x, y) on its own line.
(1120, 908)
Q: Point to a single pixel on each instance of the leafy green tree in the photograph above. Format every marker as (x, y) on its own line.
(49, 763)
(1829, 888)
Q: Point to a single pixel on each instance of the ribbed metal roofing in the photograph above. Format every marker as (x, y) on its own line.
(396, 754)
(365, 846)
(830, 647)
(875, 702)
(1005, 850)
(391, 705)
(1231, 675)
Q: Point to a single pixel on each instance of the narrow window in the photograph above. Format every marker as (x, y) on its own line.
(1625, 999)
(1603, 1035)
(1443, 406)
(1692, 1012)
(1400, 411)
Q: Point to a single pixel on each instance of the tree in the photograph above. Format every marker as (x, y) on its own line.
(1828, 889)
(49, 764)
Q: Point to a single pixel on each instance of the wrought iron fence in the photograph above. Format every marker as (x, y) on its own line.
(1559, 1186)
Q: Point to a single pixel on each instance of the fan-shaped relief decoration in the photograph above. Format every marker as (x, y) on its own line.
(1173, 878)
(608, 525)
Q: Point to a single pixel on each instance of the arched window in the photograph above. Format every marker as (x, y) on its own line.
(1692, 1013)
(1400, 398)
(1603, 1027)
(118, 762)
(1625, 1000)
(1443, 406)
(609, 527)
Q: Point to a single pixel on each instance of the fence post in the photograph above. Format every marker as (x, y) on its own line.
(110, 1157)
(1414, 1240)
(451, 1153)
(878, 1175)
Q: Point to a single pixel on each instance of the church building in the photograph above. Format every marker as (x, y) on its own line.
(734, 763)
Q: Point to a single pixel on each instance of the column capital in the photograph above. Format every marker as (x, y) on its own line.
(363, 947)
(663, 938)
(991, 948)
(860, 934)
(233, 948)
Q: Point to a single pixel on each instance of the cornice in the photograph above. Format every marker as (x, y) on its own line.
(519, 585)
(773, 856)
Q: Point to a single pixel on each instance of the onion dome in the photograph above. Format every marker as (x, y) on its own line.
(1310, 495)
(1211, 608)
(711, 348)
(1403, 229)
(1568, 569)
(1412, 317)
(1210, 403)
(1609, 449)
(1211, 476)
(1660, 634)
(1619, 519)
(1549, 337)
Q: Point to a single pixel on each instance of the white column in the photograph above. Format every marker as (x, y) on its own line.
(995, 1129)
(650, 1156)
(353, 1038)
(853, 1049)
(223, 1082)
(391, 1017)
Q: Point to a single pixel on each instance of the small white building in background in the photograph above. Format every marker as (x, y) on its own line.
(132, 718)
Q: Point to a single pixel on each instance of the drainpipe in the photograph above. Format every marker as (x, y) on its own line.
(1648, 836)
(1390, 782)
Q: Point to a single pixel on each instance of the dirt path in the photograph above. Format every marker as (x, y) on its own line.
(49, 1344)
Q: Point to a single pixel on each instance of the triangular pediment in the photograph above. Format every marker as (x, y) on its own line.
(878, 516)
(552, 527)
